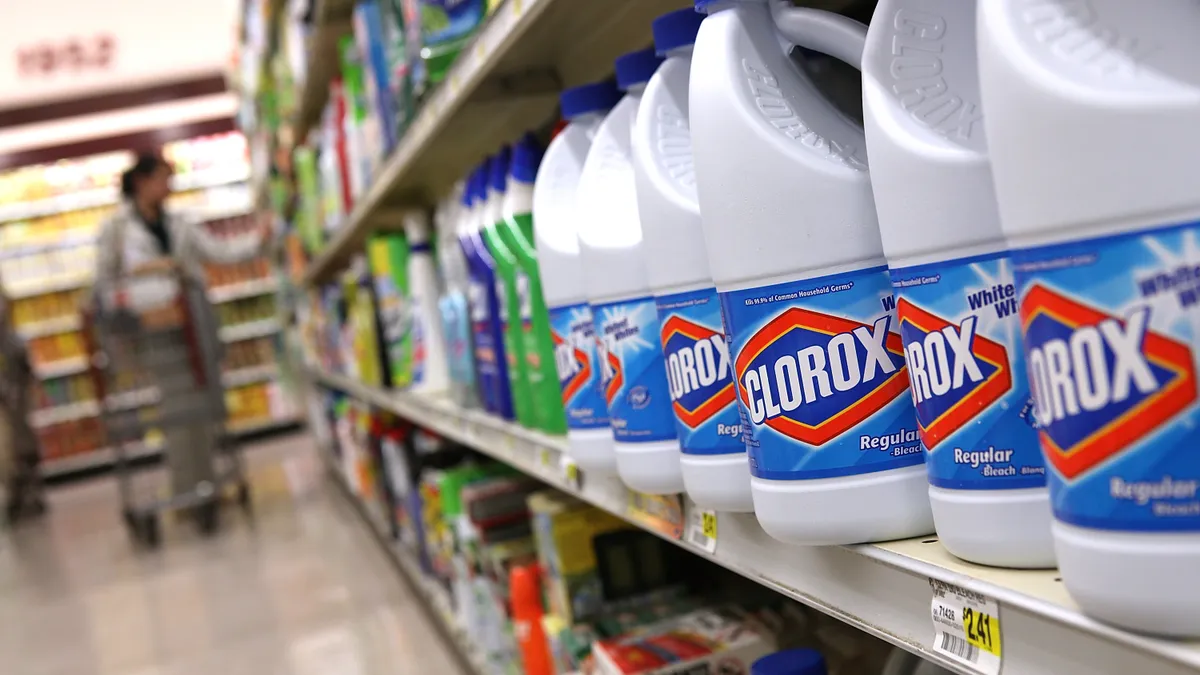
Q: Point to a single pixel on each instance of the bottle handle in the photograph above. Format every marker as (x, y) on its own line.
(839, 36)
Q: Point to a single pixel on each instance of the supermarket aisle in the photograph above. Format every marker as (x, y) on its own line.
(303, 590)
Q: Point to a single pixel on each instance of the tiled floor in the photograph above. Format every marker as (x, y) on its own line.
(300, 589)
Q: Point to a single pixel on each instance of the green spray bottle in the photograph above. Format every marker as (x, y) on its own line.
(506, 287)
(535, 321)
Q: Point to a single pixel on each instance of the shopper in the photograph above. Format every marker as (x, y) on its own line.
(142, 237)
(143, 240)
(20, 473)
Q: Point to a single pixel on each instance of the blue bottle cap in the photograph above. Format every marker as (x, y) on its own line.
(526, 157)
(479, 182)
(498, 176)
(790, 662)
(485, 177)
(636, 68)
(676, 29)
(589, 98)
(468, 196)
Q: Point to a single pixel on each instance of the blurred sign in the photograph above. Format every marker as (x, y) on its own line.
(64, 49)
(71, 56)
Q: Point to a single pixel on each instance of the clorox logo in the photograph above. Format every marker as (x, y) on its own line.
(813, 376)
(612, 376)
(955, 373)
(698, 370)
(1101, 382)
(574, 366)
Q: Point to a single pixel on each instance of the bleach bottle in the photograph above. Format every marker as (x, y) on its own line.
(431, 371)
(1092, 112)
(490, 365)
(795, 253)
(456, 321)
(516, 228)
(490, 224)
(953, 281)
(714, 465)
(572, 329)
(632, 369)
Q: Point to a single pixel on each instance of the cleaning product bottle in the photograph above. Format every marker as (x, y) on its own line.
(516, 229)
(456, 321)
(505, 263)
(1091, 111)
(430, 370)
(491, 368)
(632, 369)
(715, 470)
(572, 328)
(795, 254)
(953, 282)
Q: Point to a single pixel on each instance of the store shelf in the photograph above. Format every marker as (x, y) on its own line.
(250, 375)
(244, 428)
(44, 244)
(60, 282)
(883, 589)
(250, 329)
(63, 413)
(435, 598)
(84, 409)
(61, 368)
(105, 457)
(56, 326)
(245, 289)
(504, 83)
(87, 199)
(97, 459)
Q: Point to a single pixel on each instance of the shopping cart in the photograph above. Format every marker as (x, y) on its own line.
(156, 368)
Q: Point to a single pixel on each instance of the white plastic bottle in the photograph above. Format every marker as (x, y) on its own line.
(1092, 113)
(555, 224)
(795, 254)
(715, 470)
(431, 371)
(953, 282)
(632, 370)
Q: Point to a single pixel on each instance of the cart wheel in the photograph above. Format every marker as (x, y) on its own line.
(207, 517)
(243, 495)
(152, 531)
(144, 528)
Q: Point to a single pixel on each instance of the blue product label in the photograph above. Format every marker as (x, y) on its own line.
(1109, 330)
(961, 334)
(574, 335)
(821, 377)
(447, 20)
(458, 337)
(489, 348)
(632, 374)
(700, 373)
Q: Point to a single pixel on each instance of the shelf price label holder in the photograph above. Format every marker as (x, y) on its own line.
(966, 627)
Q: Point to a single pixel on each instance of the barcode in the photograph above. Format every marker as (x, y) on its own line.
(698, 538)
(960, 647)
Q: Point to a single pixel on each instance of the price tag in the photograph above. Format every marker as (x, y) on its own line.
(966, 627)
(544, 457)
(702, 529)
(517, 7)
(571, 473)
